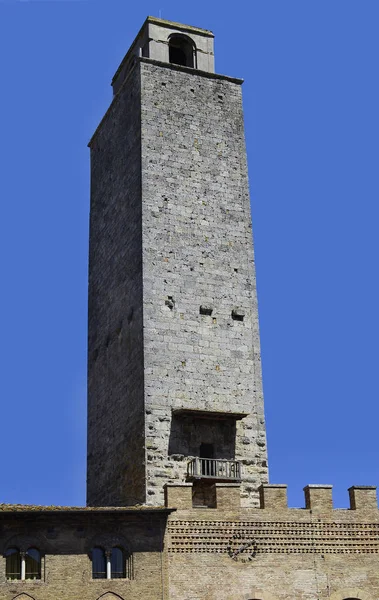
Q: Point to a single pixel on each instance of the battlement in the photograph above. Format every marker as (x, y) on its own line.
(272, 497)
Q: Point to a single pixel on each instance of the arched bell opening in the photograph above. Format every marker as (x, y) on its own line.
(182, 51)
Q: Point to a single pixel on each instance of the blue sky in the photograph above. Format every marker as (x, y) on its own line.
(311, 100)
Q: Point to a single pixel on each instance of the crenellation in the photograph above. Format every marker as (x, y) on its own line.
(318, 497)
(273, 496)
(273, 500)
(363, 497)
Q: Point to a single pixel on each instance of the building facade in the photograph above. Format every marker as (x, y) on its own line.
(178, 504)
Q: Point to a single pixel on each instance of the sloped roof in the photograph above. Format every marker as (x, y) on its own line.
(18, 508)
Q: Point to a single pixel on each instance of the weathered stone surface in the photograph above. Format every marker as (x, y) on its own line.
(116, 444)
(173, 309)
(198, 252)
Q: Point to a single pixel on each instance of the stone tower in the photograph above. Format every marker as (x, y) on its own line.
(174, 373)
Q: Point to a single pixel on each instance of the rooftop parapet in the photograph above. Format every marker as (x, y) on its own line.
(363, 497)
(273, 497)
(318, 498)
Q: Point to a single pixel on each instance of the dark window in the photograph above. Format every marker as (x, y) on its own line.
(182, 51)
(13, 564)
(99, 565)
(117, 564)
(33, 564)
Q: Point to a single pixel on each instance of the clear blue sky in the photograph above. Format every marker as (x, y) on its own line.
(311, 114)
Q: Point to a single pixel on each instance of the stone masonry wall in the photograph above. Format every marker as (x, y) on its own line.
(197, 251)
(116, 456)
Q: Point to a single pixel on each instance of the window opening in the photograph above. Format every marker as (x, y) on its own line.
(98, 564)
(117, 564)
(111, 564)
(33, 564)
(181, 51)
(178, 56)
(13, 563)
(23, 565)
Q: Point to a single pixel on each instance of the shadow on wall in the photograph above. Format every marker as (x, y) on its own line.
(191, 436)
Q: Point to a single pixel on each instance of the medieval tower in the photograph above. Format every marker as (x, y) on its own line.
(174, 372)
(179, 507)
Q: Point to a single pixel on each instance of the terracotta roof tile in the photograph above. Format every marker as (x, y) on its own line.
(36, 508)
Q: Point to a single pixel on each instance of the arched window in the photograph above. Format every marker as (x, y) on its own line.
(182, 51)
(99, 565)
(33, 564)
(23, 565)
(13, 563)
(111, 563)
(117, 564)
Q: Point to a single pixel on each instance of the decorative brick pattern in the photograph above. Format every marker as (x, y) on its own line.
(273, 537)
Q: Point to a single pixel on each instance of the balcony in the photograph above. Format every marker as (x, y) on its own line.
(213, 468)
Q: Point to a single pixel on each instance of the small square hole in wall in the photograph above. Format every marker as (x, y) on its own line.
(238, 315)
(206, 310)
(170, 302)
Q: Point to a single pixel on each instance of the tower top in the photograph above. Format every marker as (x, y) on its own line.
(181, 26)
(171, 43)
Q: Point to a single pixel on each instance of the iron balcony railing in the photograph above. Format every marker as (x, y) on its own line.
(214, 468)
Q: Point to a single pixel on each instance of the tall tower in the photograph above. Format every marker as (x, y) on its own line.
(174, 373)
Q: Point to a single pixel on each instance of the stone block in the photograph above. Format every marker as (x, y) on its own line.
(228, 495)
(318, 497)
(363, 497)
(178, 495)
(273, 496)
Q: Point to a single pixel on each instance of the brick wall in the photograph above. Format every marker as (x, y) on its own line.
(276, 552)
(66, 542)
